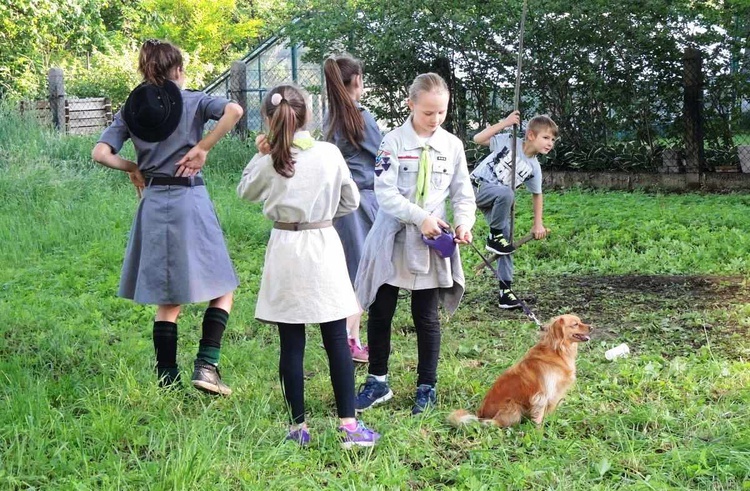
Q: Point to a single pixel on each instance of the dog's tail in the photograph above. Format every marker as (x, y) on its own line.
(461, 417)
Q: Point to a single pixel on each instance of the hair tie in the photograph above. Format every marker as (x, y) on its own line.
(276, 99)
(153, 42)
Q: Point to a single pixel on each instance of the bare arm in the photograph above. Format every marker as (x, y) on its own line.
(484, 136)
(104, 155)
(193, 161)
(537, 205)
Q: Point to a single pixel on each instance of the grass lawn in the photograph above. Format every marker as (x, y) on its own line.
(79, 407)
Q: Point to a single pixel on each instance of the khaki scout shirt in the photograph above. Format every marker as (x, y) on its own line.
(396, 169)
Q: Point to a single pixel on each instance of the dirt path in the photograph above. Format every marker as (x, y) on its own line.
(680, 313)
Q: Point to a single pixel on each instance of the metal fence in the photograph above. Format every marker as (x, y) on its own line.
(273, 63)
(695, 119)
(699, 123)
(721, 115)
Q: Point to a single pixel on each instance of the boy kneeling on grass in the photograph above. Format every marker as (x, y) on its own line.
(491, 180)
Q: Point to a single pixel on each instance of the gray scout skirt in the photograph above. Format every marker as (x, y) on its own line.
(176, 252)
(354, 227)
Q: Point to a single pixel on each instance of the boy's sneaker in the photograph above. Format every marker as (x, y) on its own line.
(497, 243)
(300, 436)
(426, 399)
(360, 355)
(508, 300)
(360, 436)
(372, 393)
(206, 378)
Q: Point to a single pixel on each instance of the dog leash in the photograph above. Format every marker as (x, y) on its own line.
(526, 309)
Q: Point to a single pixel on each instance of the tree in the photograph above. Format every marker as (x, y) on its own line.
(33, 32)
(206, 28)
(606, 72)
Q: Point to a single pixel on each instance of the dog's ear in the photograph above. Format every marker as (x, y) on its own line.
(548, 326)
(556, 332)
(555, 325)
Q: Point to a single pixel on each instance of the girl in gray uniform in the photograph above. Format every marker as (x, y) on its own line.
(176, 252)
(354, 131)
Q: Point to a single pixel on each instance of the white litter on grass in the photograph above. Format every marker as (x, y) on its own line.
(620, 351)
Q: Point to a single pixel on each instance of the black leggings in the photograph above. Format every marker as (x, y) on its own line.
(424, 312)
(340, 365)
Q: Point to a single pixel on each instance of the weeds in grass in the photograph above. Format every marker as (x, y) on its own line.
(668, 274)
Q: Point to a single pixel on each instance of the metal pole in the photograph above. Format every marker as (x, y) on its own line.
(516, 103)
(295, 78)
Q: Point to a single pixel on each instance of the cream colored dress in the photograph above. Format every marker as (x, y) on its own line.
(305, 278)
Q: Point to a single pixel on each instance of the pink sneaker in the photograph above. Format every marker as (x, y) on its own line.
(360, 355)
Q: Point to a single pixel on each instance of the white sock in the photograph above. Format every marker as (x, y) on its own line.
(380, 378)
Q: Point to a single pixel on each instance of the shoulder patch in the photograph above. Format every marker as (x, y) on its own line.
(382, 161)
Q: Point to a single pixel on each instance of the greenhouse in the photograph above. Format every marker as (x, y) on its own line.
(272, 63)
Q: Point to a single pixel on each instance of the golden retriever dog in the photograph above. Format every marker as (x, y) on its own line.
(534, 386)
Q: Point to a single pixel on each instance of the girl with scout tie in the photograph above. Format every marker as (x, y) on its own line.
(418, 167)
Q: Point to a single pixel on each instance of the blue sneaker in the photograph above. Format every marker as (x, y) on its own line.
(426, 398)
(360, 436)
(372, 393)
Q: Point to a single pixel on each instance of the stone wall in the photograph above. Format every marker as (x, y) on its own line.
(713, 182)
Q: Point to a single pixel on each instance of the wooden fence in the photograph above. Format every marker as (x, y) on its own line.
(39, 110)
(86, 116)
(81, 116)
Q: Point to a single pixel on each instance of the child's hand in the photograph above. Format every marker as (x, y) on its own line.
(512, 118)
(463, 235)
(138, 181)
(261, 143)
(432, 226)
(539, 232)
(192, 162)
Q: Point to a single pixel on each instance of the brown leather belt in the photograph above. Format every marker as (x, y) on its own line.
(302, 226)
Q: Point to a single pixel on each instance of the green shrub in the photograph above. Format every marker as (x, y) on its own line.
(114, 75)
(628, 156)
(109, 75)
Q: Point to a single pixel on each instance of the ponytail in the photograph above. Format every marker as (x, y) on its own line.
(157, 59)
(344, 116)
(285, 109)
(283, 124)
